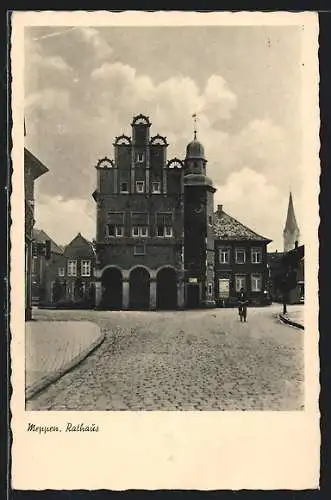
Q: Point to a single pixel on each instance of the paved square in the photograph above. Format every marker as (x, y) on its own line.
(185, 360)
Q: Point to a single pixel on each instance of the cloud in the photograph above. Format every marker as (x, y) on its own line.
(93, 40)
(68, 220)
(248, 196)
(72, 125)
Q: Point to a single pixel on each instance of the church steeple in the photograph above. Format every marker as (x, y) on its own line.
(291, 233)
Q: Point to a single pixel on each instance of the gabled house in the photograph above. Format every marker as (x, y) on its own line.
(240, 261)
(70, 277)
(40, 265)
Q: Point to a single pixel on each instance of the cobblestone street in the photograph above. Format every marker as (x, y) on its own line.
(188, 360)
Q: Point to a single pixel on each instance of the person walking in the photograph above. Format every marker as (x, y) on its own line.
(242, 305)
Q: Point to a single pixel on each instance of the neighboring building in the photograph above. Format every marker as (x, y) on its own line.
(40, 265)
(291, 233)
(69, 276)
(282, 263)
(296, 258)
(155, 238)
(275, 266)
(278, 261)
(33, 169)
(240, 261)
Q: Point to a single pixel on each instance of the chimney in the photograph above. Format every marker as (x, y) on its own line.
(220, 208)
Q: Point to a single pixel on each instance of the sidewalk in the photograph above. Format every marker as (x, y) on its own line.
(294, 317)
(53, 348)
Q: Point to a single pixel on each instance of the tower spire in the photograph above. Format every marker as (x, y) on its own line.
(195, 121)
(291, 231)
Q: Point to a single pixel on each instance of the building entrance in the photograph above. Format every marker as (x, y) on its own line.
(139, 288)
(166, 289)
(111, 283)
(193, 295)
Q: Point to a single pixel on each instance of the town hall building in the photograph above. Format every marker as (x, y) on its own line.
(159, 242)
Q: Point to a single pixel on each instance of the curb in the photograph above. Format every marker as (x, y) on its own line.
(287, 321)
(47, 380)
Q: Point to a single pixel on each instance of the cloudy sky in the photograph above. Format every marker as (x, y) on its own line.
(83, 85)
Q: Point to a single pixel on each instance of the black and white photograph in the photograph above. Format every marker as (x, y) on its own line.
(165, 198)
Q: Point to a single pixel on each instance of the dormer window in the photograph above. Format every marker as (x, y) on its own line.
(140, 185)
(140, 158)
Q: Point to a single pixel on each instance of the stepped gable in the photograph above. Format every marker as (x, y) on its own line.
(229, 228)
(40, 237)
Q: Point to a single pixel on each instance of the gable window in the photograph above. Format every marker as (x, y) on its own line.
(240, 282)
(139, 250)
(115, 230)
(256, 255)
(168, 231)
(164, 231)
(124, 187)
(86, 268)
(141, 231)
(61, 271)
(72, 267)
(240, 256)
(140, 185)
(256, 282)
(140, 157)
(224, 255)
(156, 187)
(164, 225)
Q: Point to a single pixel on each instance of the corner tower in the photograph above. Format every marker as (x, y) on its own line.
(291, 233)
(198, 228)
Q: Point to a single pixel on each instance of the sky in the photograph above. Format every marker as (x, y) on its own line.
(83, 85)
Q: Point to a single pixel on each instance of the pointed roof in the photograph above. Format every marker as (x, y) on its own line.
(79, 247)
(291, 224)
(40, 237)
(229, 228)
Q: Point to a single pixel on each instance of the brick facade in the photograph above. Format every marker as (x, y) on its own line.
(155, 236)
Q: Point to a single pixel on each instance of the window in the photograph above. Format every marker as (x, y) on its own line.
(256, 255)
(124, 187)
(141, 231)
(210, 289)
(140, 185)
(140, 157)
(115, 230)
(256, 282)
(34, 264)
(168, 231)
(86, 268)
(156, 187)
(240, 282)
(139, 250)
(72, 268)
(240, 256)
(61, 271)
(164, 231)
(224, 255)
